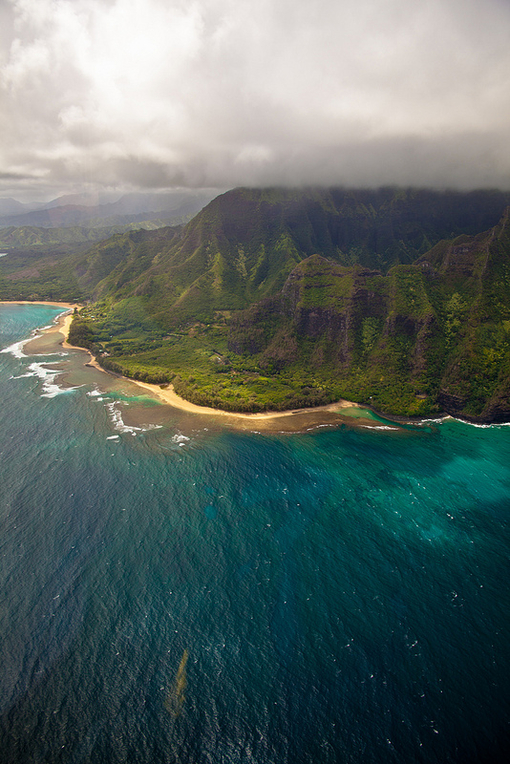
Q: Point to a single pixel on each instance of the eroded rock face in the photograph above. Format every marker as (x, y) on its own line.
(450, 403)
(345, 284)
(444, 328)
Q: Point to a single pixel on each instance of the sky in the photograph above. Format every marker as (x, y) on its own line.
(155, 94)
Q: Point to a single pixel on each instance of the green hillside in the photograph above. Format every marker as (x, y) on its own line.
(278, 298)
(32, 236)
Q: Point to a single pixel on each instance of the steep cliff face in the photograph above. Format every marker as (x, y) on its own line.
(435, 334)
(354, 309)
(334, 293)
(242, 246)
(476, 378)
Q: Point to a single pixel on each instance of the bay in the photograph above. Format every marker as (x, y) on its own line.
(175, 590)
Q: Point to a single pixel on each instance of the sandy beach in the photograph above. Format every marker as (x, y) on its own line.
(168, 395)
(42, 302)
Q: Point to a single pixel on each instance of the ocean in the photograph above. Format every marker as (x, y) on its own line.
(176, 590)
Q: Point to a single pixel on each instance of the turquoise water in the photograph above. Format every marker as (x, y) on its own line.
(214, 596)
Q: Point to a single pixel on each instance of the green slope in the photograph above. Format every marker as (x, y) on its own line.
(244, 244)
(275, 298)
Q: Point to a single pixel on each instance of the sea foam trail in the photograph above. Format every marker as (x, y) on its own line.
(117, 421)
(17, 349)
(483, 426)
(180, 439)
(379, 427)
(48, 376)
(448, 417)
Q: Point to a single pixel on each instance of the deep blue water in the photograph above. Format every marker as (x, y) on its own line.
(216, 596)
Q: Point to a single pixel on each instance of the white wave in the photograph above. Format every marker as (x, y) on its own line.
(482, 426)
(117, 421)
(448, 417)
(438, 420)
(38, 370)
(306, 429)
(96, 394)
(48, 376)
(379, 427)
(16, 350)
(180, 439)
(51, 391)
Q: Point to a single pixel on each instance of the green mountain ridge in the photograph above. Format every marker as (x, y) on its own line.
(32, 236)
(279, 298)
(427, 337)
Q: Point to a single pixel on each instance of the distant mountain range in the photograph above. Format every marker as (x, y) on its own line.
(89, 212)
(280, 298)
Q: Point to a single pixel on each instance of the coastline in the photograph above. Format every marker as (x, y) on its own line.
(63, 320)
(169, 396)
(293, 418)
(70, 305)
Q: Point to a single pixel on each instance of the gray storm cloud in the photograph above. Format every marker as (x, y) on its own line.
(156, 93)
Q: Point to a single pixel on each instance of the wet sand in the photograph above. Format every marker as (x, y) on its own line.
(277, 421)
(169, 396)
(69, 305)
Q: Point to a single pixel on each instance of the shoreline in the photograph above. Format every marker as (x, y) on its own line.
(57, 303)
(62, 321)
(168, 395)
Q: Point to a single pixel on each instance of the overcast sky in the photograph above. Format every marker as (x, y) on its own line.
(152, 94)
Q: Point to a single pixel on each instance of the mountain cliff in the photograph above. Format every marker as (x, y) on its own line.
(242, 246)
(430, 336)
(278, 298)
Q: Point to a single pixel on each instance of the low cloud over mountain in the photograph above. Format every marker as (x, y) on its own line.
(152, 94)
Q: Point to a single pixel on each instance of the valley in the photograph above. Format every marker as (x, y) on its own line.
(275, 299)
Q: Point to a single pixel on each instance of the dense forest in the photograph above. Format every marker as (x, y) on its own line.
(282, 298)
